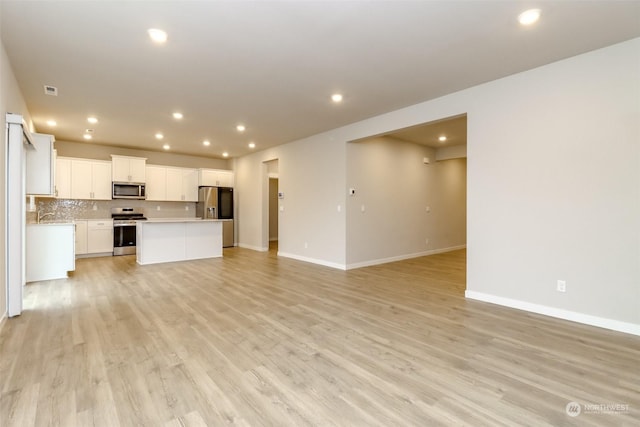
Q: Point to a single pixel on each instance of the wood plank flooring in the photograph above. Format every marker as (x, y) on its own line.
(254, 340)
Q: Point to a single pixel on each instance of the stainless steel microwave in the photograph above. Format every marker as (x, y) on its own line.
(129, 190)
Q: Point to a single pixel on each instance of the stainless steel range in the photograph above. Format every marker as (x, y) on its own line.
(124, 229)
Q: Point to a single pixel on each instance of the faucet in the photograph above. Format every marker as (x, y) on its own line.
(41, 215)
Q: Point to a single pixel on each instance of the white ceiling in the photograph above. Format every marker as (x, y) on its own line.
(272, 65)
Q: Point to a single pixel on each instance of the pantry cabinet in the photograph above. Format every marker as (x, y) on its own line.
(128, 169)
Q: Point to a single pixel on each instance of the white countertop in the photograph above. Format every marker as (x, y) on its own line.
(179, 220)
(52, 223)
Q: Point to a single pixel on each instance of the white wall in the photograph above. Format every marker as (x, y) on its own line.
(553, 186)
(11, 101)
(395, 187)
(311, 174)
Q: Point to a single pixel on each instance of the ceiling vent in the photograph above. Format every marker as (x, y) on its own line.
(50, 90)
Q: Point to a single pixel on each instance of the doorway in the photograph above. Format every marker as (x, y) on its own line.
(271, 217)
(416, 175)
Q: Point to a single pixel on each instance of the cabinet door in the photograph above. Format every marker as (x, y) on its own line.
(225, 179)
(101, 181)
(81, 237)
(190, 185)
(100, 237)
(207, 177)
(81, 177)
(63, 178)
(137, 170)
(174, 185)
(120, 169)
(156, 183)
(40, 167)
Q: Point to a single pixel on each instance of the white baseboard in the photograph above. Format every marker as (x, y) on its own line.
(402, 257)
(312, 260)
(587, 319)
(253, 248)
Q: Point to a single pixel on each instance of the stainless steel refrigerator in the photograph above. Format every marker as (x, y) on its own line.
(217, 203)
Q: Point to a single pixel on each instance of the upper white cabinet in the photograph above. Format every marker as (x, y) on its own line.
(166, 183)
(156, 184)
(83, 179)
(128, 169)
(40, 168)
(63, 178)
(215, 178)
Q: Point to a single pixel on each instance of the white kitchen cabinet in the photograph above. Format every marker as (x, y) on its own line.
(215, 178)
(172, 184)
(128, 169)
(49, 251)
(40, 167)
(63, 178)
(99, 236)
(190, 185)
(81, 237)
(156, 185)
(90, 179)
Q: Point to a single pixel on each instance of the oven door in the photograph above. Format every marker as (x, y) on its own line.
(124, 239)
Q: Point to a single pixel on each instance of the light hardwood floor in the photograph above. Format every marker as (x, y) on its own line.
(251, 339)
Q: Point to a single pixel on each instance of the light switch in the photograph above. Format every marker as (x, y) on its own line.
(362, 208)
(281, 208)
(339, 208)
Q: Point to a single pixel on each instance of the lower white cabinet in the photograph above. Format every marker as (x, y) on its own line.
(94, 237)
(49, 251)
(81, 237)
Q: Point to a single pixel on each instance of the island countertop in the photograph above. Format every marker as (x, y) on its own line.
(182, 220)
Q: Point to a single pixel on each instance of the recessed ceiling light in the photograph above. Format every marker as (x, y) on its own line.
(92, 120)
(252, 145)
(241, 128)
(166, 146)
(336, 97)
(159, 135)
(157, 35)
(177, 115)
(225, 154)
(442, 138)
(206, 143)
(87, 136)
(529, 17)
(51, 123)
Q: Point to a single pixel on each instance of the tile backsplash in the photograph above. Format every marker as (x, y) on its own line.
(72, 209)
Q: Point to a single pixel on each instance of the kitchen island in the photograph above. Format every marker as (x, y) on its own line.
(177, 239)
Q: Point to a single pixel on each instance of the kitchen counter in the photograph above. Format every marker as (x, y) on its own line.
(177, 239)
(50, 252)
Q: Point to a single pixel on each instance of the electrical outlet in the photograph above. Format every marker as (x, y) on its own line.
(306, 245)
(562, 286)
(426, 241)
